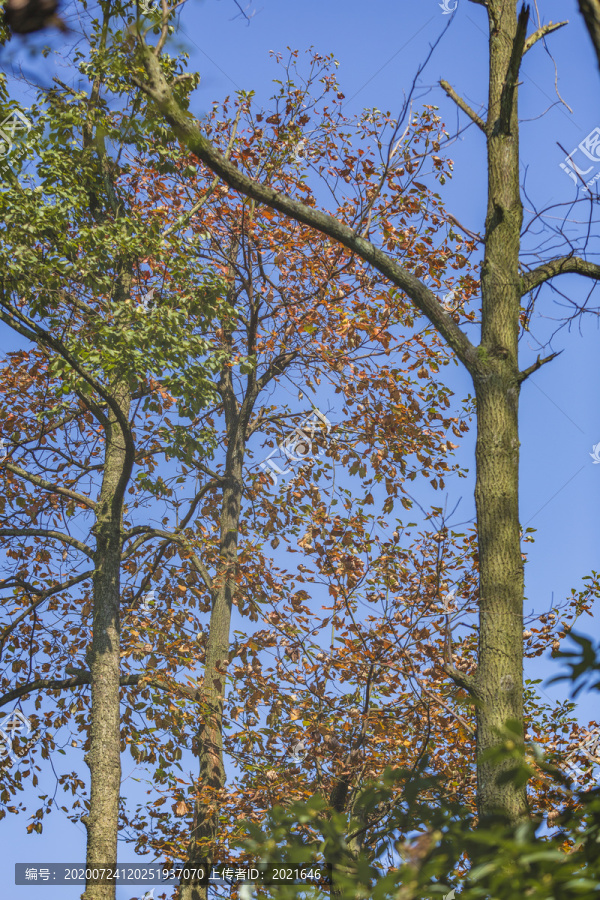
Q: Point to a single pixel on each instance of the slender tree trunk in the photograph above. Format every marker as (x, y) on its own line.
(496, 379)
(210, 732)
(104, 756)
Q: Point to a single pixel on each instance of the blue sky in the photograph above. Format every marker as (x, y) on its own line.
(379, 45)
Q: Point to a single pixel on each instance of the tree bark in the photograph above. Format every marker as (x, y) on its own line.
(210, 731)
(209, 736)
(104, 756)
(496, 379)
(590, 10)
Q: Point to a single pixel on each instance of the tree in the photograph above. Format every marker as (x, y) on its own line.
(493, 364)
(271, 271)
(305, 323)
(70, 260)
(98, 386)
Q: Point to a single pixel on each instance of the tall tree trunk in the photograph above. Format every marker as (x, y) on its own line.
(104, 756)
(212, 696)
(496, 379)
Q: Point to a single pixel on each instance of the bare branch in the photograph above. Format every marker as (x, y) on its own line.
(561, 266)
(463, 105)
(53, 684)
(537, 365)
(512, 73)
(460, 678)
(472, 234)
(540, 33)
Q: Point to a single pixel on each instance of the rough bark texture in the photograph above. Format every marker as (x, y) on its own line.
(103, 758)
(210, 731)
(496, 379)
(590, 10)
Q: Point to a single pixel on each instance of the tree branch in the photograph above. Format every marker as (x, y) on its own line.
(34, 605)
(45, 532)
(537, 365)
(540, 33)
(560, 266)
(38, 335)
(48, 486)
(188, 216)
(80, 677)
(460, 678)
(463, 105)
(512, 72)
(177, 539)
(188, 131)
